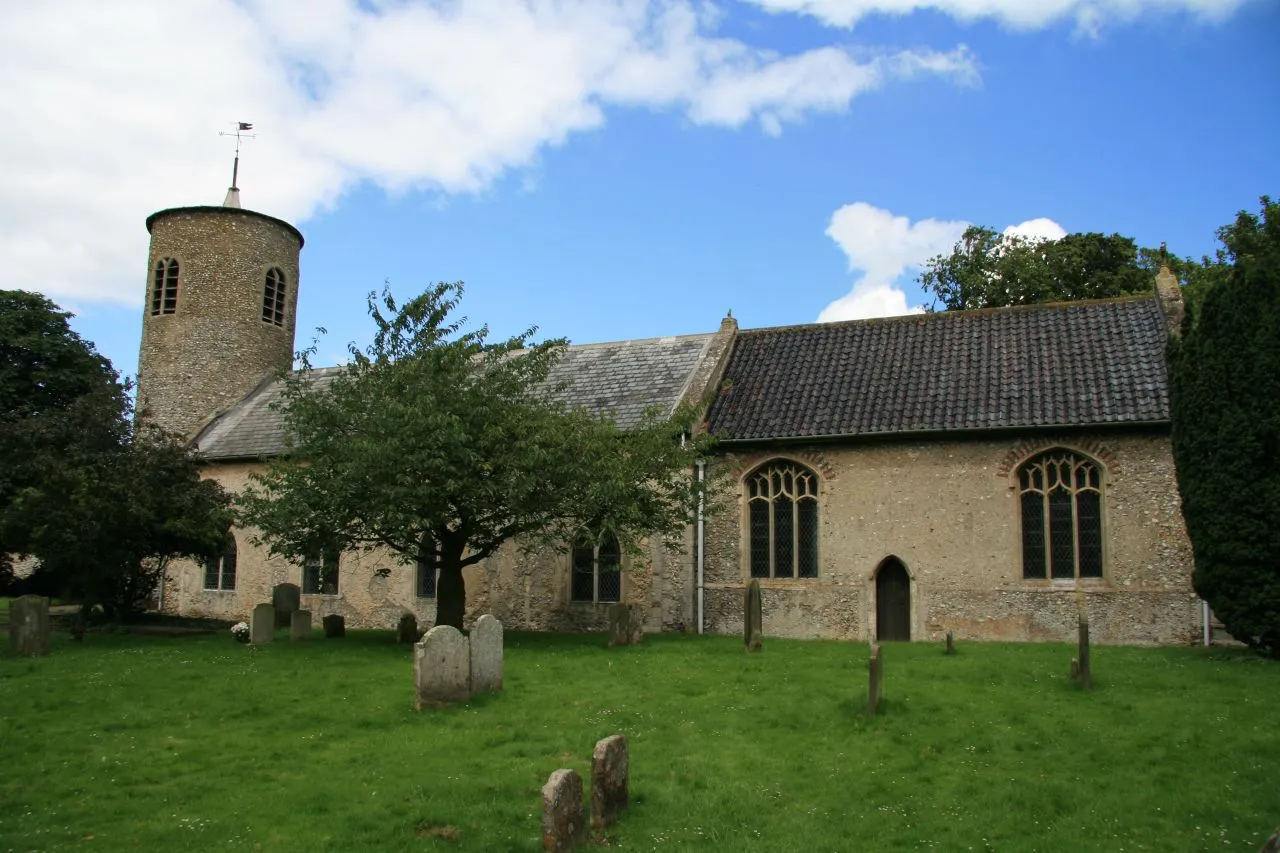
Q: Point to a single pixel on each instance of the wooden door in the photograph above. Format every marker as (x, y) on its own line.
(893, 601)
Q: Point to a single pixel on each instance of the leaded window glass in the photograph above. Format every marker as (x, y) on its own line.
(596, 570)
(273, 294)
(320, 574)
(1060, 499)
(782, 521)
(164, 287)
(220, 569)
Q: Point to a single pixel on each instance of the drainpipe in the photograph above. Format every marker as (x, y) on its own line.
(702, 468)
(1204, 616)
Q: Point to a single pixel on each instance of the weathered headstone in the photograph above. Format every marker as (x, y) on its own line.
(608, 781)
(875, 672)
(407, 629)
(486, 655)
(300, 625)
(626, 625)
(1272, 844)
(285, 598)
(561, 811)
(335, 626)
(262, 625)
(751, 627)
(951, 644)
(1075, 669)
(441, 668)
(29, 625)
(1086, 675)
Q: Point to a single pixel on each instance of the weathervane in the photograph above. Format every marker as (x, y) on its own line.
(233, 192)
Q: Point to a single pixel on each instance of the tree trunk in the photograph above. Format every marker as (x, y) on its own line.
(451, 597)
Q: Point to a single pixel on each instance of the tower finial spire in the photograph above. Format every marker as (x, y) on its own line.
(233, 191)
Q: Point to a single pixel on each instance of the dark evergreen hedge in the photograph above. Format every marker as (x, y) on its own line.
(1225, 379)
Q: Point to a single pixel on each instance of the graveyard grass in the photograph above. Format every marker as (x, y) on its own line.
(132, 742)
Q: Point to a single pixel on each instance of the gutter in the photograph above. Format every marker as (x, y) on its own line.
(931, 434)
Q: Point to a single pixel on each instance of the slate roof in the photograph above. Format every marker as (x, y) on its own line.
(1054, 365)
(626, 377)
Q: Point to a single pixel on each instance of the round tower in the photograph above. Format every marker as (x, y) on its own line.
(219, 313)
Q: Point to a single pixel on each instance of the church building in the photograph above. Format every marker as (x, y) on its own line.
(991, 473)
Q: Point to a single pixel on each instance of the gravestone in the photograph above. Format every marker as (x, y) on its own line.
(751, 627)
(286, 598)
(300, 625)
(875, 672)
(1086, 675)
(29, 625)
(951, 644)
(608, 781)
(262, 625)
(407, 629)
(1272, 844)
(626, 625)
(335, 626)
(561, 811)
(486, 655)
(441, 668)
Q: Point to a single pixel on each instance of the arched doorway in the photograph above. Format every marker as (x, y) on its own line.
(893, 601)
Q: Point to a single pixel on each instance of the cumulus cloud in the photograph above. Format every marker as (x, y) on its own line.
(884, 248)
(1088, 15)
(118, 103)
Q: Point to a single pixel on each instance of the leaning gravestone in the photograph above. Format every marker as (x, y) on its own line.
(608, 781)
(1086, 673)
(751, 628)
(875, 672)
(335, 626)
(407, 629)
(286, 598)
(300, 625)
(561, 811)
(29, 625)
(441, 668)
(486, 655)
(262, 625)
(626, 625)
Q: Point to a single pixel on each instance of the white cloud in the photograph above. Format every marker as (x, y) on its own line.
(885, 247)
(1088, 15)
(117, 104)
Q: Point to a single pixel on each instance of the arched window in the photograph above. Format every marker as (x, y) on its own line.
(220, 569)
(1060, 499)
(597, 575)
(164, 287)
(782, 508)
(273, 293)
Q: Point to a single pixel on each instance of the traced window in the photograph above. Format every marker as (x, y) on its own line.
(164, 287)
(320, 574)
(220, 569)
(597, 574)
(428, 573)
(273, 293)
(1060, 499)
(782, 521)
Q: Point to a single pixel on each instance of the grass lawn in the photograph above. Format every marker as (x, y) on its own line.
(129, 742)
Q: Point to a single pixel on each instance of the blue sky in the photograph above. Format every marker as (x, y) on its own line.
(621, 169)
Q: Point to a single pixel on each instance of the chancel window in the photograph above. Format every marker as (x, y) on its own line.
(273, 293)
(164, 287)
(1060, 499)
(782, 521)
(320, 574)
(597, 565)
(220, 569)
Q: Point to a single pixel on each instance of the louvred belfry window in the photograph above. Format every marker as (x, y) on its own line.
(1060, 498)
(164, 287)
(273, 293)
(782, 521)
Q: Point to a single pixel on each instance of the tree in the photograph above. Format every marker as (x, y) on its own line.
(1225, 383)
(987, 269)
(439, 447)
(102, 504)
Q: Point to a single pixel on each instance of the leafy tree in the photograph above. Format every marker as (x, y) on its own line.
(987, 269)
(1225, 377)
(101, 504)
(440, 446)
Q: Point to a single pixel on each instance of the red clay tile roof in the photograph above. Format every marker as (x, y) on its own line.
(1031, 366)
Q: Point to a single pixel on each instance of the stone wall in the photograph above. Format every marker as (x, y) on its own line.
(216, 347)
(948, 511)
